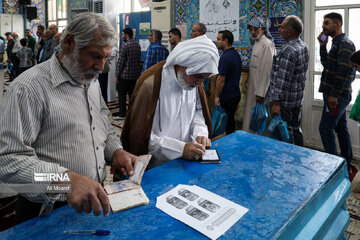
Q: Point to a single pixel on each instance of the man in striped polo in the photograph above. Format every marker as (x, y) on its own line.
(54, 121)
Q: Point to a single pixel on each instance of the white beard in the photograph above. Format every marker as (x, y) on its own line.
(72, 64)
(181, 80)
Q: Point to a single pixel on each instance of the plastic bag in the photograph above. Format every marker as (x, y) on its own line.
(259, 116)
(355, 110)
(278, 129)
(218, 121)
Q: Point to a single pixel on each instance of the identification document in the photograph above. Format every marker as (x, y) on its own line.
(128, 193)
(200, 209)
(210, 156)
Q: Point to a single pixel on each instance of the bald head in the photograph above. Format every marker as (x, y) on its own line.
(197, 30)
(52, 30)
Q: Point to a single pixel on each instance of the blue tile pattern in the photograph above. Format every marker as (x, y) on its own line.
(285, 8)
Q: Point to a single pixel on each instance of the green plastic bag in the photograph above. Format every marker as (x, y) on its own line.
(355, 110)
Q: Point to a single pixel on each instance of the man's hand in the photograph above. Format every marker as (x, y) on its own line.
(259, 99)
(116, 80)
(217, 101)
(320, 42)
(193, 151)
(87, 195)
(124, 161)
(203, 141)
(332, 103)
(276, 108)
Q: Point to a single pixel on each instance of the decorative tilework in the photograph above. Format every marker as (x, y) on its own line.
(40, 6)
(10, 9)
(192, 14)
(244, 19)
(285, 8)
(78, 4)
(258, 5)
(258, 8)
(245, 55)
(180, 9)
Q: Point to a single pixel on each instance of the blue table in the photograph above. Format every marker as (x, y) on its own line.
(291, 193)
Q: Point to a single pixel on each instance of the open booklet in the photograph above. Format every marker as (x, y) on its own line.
(128, 193)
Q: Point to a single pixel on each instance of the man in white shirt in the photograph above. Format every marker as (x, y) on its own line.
(262, 54)
(166, 115)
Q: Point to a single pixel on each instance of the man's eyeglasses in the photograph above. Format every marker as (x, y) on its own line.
(327, 23)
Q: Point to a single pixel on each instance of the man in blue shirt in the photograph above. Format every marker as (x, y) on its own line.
(227, 93)
(156, 52)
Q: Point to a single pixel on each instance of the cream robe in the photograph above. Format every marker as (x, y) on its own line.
(259, 75)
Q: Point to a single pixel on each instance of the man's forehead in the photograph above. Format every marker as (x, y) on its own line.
(95, 49)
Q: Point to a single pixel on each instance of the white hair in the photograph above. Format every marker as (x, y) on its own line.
(85, 26)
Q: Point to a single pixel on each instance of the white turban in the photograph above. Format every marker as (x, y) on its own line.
(199, 55)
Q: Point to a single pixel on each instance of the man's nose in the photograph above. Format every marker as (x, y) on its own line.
(100, 64)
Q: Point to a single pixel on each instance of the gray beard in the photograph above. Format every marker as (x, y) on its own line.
(72, 65)
(181, 80)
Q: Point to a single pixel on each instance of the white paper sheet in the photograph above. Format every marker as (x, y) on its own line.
(200, 209)
(220, 15)
(210, 154)
(144, 44)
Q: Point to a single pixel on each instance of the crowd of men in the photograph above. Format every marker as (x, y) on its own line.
(57, 120)
(23, 53)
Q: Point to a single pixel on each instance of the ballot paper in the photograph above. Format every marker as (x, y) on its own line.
(200, 209)
(210, 156)
(128, 193)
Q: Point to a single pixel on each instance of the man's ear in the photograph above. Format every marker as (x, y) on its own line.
(69, 44)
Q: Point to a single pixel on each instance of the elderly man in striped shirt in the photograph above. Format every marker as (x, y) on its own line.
(288, 76)
(54, 120)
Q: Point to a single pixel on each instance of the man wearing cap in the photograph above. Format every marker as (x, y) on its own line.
(168, 114)
(262, 53)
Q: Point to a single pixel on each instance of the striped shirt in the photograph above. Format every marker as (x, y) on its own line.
(49, 123)
(288, 74)
(338, 73)
(155, 53)
(128, 65)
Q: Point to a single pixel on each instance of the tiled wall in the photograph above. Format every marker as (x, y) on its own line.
(187, 11)
(39, 4)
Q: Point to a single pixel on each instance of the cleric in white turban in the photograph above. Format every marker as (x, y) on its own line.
(168, 115)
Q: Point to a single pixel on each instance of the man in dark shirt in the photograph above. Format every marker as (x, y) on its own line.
(31, 40)
(40, 43)
(174, 37)
(50, 43)
(336, 79)
(127, 69)
(10, 44)
(227, 93)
